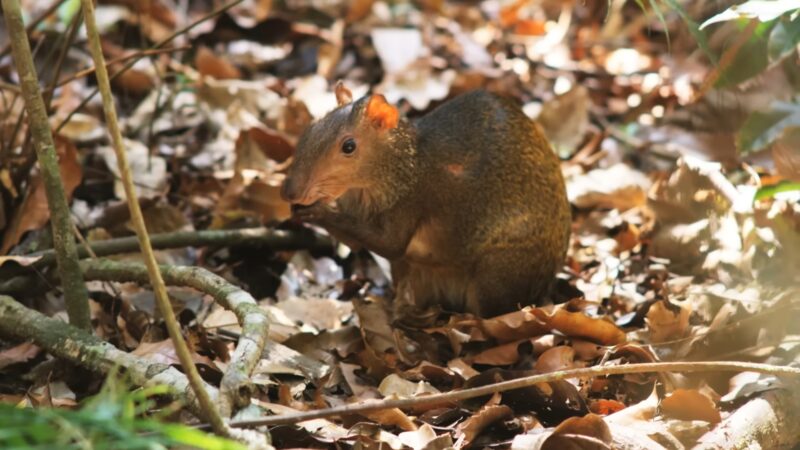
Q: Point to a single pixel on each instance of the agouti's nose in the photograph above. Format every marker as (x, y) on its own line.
(291, 191)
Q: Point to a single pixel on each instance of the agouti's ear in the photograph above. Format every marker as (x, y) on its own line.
(380, 113)
(343, 95)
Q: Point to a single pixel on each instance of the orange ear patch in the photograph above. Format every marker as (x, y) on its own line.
(381, 113)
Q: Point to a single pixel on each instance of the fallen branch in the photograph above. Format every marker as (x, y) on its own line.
(278, 240)
(770, 420)
(83, 349)
(453, 396)
(236, 387)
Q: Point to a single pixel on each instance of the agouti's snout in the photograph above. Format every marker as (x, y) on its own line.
(291, 190)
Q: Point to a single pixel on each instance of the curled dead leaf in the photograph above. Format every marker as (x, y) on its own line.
(580, 325)
(667, 321)
(210, 64)
(394, 417)
(561, 357)
(587, 432)
(34, 211)
(468, 430)
(690, 404)
(514, 326)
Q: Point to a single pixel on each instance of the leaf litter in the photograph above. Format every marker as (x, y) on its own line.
(673, 256)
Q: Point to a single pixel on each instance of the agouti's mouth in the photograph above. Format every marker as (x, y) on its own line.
(309, 200)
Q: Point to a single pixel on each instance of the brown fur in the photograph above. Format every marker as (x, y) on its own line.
(468, 204)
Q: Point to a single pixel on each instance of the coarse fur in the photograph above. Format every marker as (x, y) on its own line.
(468, 203)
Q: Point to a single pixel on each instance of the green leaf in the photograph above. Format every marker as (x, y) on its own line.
(106, 421)
(784, 38)
(751, 59)
(763, 10)
(762, 128)
(195, 438)
(770, 191)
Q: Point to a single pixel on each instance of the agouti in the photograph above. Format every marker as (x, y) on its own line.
(468, 203)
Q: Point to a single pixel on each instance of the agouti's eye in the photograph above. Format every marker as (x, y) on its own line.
(349, 146)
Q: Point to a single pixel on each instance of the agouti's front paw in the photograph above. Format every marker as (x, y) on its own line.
(317, 213)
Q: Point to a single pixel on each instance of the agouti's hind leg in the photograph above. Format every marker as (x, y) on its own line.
(505, 281)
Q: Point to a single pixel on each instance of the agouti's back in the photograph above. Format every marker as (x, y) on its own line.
(485, 156)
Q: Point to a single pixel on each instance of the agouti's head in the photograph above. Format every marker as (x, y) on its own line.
(357, 146)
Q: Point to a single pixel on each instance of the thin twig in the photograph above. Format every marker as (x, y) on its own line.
(159, 44)
(35, 23)
(72, 33)
(75, 292)
(138, 55)
(209, 408)
(454, 396)
(278, 240)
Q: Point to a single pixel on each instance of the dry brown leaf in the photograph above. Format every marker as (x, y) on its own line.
(668, 321)
(462, 368)
(262, 9)
(587, 351)
(394, 385)
(152, 8)
(617, 187)
(34, 212)
(358, 10)
(319, 313)
(627, 238)
(509, 14)
(23, 261)
(55, 394)
(149, 171)
(561, 357)
(164, 352)
(161, 217)
(372, 436)
(210, 64)
(786, 154)
(529, 27)
(605, 407)
(316, 427)
(580, 325)
(585, 433)
(256, 145)
(467, 431)
(565, 120)
(247, 195)
(394, 417)
(425, 438)
(514, 326)
(133, 81)
(508, 353)
(690, 404)
(264, 197)
(18, 354)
